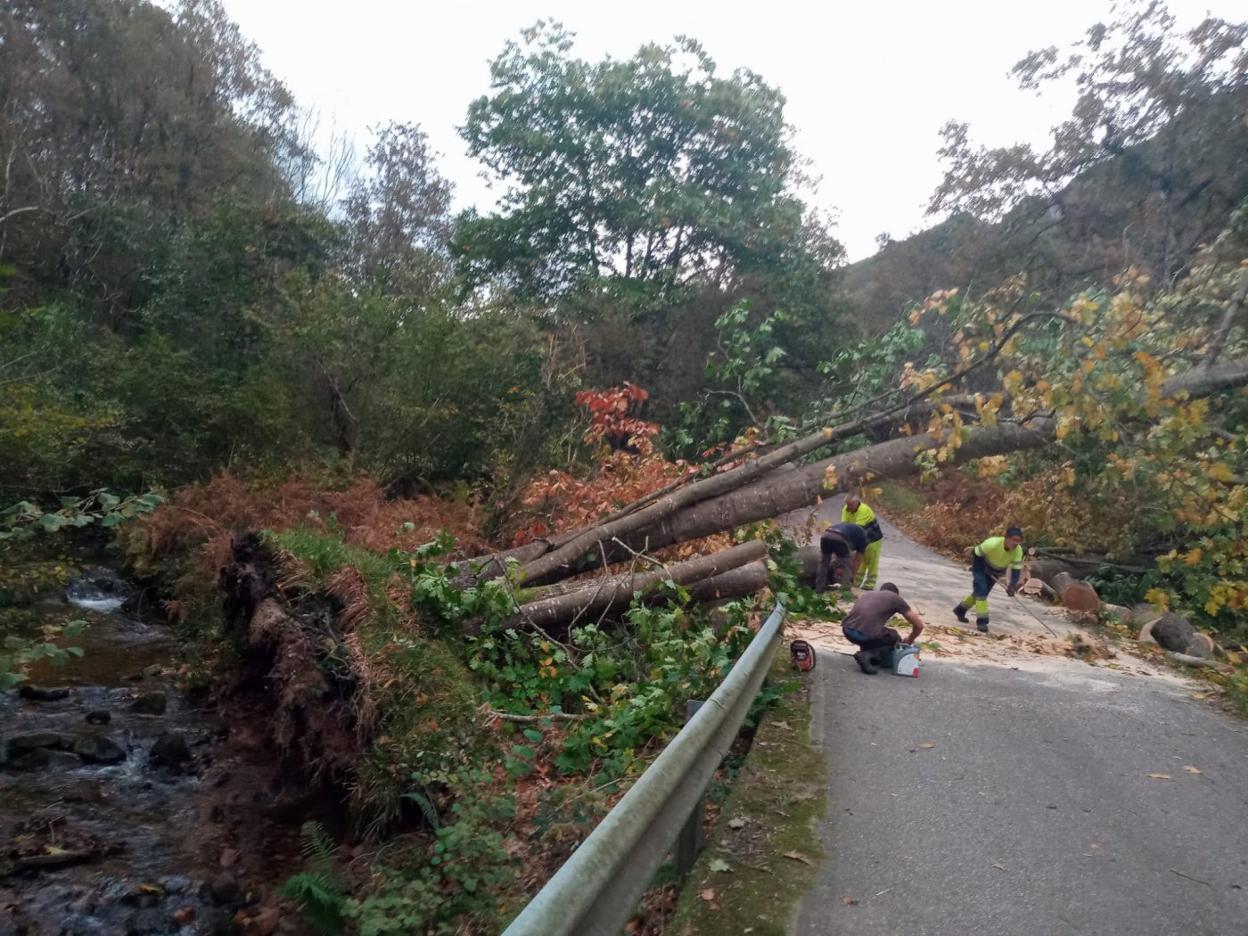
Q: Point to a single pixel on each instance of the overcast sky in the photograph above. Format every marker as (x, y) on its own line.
(869, 84)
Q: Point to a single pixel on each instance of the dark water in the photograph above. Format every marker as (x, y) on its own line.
(130, 830)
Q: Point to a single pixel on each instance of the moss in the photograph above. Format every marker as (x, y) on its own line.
(416, 699)
(426, 726)
(781, 795)
(31, 569)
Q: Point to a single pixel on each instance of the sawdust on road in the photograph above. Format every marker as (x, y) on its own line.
(1027, 634)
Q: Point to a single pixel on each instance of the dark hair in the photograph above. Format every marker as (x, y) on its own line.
(889, 586)
(1014, 531)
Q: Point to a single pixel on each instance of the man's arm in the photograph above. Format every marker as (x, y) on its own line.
(1015, 575)
(916, 625)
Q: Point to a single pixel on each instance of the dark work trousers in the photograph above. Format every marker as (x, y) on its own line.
(885, 641)
(835, 562)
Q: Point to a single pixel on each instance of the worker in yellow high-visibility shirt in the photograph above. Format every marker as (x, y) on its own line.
(855, 511)
(993, 557)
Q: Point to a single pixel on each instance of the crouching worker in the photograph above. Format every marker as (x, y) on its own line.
(865, 626)
(840, 554)
(992, 558)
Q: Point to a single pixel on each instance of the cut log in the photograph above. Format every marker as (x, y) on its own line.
(1047, 570)
(601, 595)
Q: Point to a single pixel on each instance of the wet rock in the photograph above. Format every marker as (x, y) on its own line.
(229, 858)
(40, 739)
(224, 891)
(150, 703)
(42, 693)
(1173, 632)
(84, 791)
(176, 884)
(99, 750)
(8, 924)
(4, 753)
(148, 921)
(83, 906)
(100, 717)
(184, 916)
(45, 759)
(170, 750)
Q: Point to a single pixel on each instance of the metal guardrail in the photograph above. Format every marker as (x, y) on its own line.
(598, 888)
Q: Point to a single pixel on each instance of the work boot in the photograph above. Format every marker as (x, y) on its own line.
(864, 663)
(981, 624)
(959, 612)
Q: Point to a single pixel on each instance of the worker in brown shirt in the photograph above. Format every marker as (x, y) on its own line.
(865, 625)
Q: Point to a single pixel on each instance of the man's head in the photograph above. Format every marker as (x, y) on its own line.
(890, 587)
(852, 503)
(1013, 536)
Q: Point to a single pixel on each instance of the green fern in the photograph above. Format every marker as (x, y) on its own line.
(319, 891)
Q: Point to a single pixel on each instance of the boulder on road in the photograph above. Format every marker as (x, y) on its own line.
(1173, 632)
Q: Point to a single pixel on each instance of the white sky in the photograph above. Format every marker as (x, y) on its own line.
(869, 84)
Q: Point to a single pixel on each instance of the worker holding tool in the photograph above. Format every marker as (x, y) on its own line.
(855, 511)
(865, 626)
(993, 557)
(840, 547)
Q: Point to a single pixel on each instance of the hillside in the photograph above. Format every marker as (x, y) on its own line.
(1150, 206)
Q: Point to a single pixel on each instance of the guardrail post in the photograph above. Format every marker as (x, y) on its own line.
(691, 838)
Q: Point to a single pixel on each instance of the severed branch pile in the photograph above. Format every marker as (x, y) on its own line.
(759, 487)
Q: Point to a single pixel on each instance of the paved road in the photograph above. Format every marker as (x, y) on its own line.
(984, 799)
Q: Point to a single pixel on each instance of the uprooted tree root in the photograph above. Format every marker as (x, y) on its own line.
(345, 680)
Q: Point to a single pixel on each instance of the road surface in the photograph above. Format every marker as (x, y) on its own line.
(1007, 790)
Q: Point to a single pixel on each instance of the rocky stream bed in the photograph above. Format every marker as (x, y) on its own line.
(126, 807)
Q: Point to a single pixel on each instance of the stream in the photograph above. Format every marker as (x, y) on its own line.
(106, 815)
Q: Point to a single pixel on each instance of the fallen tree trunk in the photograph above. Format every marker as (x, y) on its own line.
(782, 492)
(805, 486)
(630, 518)
(559, 561)
(602, 595)
(753, 578)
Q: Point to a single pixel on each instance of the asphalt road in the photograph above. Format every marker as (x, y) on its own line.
(1032, 810)
(983, 799)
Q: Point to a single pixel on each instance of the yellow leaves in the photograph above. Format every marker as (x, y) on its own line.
(1220, 471)
(1193, 556)
(1069, 476)
(1158, 598)
(1084, 309)
(991, 466)
(1013, 382)
(829, 478)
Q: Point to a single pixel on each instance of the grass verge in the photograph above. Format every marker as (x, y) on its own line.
(764, 852)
